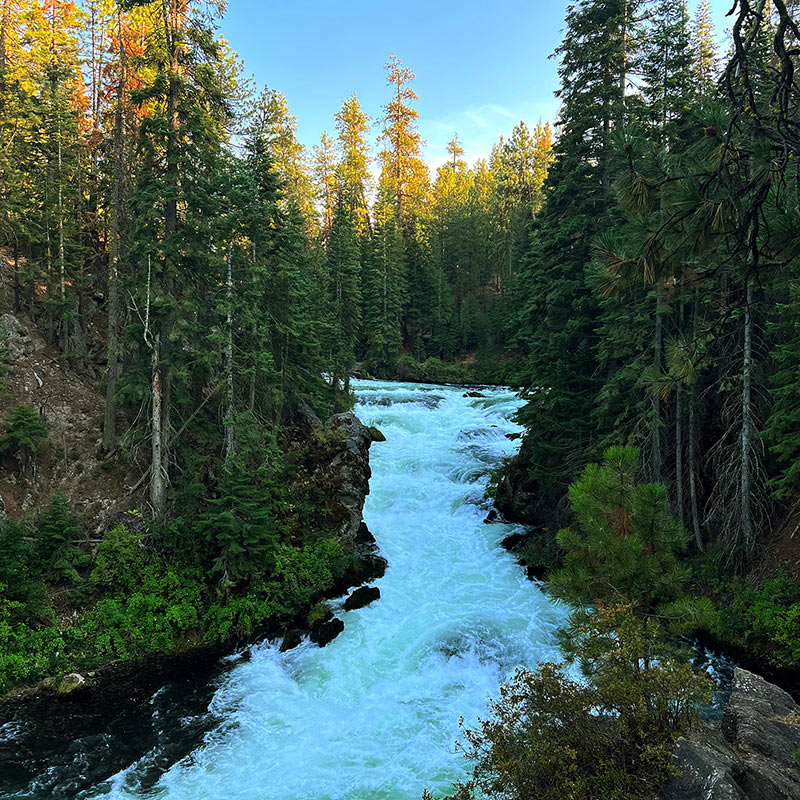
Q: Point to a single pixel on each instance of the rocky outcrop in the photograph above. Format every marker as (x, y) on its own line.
(518, 498)
(348, 471)
(325, 633)
(752, 755)
(15, 336)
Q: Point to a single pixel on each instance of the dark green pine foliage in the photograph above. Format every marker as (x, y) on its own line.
(625, 544)
(665, 64)
(294, 299)
(240, 526)
(57, 534)
(26, 432)
(423, 316)
(384, 291)
(344, 276)
(558, 314)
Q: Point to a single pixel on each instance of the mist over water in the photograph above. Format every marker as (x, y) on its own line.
(374, 715)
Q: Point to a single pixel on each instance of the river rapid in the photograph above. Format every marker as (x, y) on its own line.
(375, 714)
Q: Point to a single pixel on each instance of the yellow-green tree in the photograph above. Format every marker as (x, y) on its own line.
(404, 175)
(705, 49)
(353, 178)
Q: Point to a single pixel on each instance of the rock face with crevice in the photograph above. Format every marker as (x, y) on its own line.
(752, 755)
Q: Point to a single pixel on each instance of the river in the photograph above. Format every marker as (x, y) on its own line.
(375, 714)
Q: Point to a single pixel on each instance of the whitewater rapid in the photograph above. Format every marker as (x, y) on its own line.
(375, 714)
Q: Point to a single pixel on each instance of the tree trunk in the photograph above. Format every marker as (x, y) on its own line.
(679, 455)
(655, 423)
(109, 423)
(157, 481)
(747, 426)
(230, 440)
(17, 298)
(693, 508)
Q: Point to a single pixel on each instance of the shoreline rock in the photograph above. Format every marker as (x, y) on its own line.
(751, 755)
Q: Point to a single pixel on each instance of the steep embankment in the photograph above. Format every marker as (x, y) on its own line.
(101, 489)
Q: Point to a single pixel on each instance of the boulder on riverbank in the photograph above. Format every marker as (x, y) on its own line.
(752, 755)
(71, 683)
(361, 597)
(291, 639)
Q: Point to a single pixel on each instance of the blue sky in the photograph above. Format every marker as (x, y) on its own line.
(481, 66)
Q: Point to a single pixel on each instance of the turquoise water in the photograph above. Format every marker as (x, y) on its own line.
(375, 714)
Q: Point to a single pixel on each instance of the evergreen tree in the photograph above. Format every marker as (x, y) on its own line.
(626, 543)
(557, 317)
(352, 126)
(705, 49)
(325, 170)
(404, 176)
(344, 271)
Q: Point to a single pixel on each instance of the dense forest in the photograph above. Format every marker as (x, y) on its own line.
(653, 326)
(634, 271)
(172, 241)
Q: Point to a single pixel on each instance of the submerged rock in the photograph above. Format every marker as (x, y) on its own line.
(752, 755)
(362, 597)
(326, 632)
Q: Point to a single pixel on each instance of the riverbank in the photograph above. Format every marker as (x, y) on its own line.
(753, 615)
(127, 601)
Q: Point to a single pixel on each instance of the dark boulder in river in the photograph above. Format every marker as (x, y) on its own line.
(362, 597)
(474, 394)
(752, 755)
(292, 639)
(327, 632)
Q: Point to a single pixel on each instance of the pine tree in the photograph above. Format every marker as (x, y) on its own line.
(626, 543)
(666, 65)
(404, 176)
(353, 126)
(557, 314)
(179, 141)
(344, 274)
(384, 287)
(325, 172)
(705, 49)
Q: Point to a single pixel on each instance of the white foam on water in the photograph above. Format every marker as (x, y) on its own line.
(375, 714)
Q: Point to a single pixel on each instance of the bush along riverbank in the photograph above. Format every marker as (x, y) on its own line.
(753, 616)
(281, 531)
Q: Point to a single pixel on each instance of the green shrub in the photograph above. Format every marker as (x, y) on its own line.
(27, 651)
(120, 561)
(610, 736)
(168, 604)
(24, 436)
(16, 563)
(765, 621)
(57, 529)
